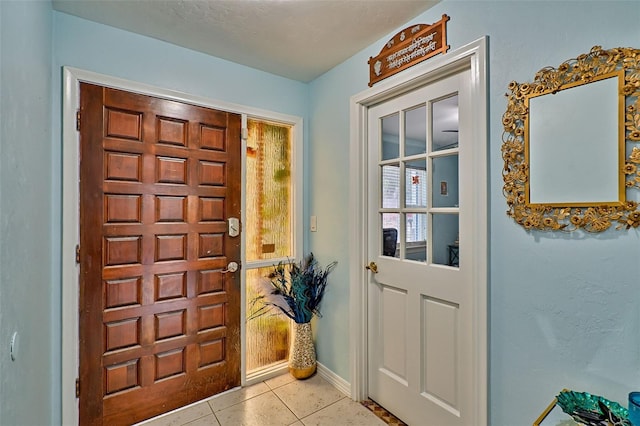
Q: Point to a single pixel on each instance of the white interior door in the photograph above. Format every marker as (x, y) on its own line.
(420, 220)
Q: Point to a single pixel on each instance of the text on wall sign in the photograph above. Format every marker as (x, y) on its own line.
(410, 46)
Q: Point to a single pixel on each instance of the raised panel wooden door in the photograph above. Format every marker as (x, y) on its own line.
(159, 316)
(420, 214)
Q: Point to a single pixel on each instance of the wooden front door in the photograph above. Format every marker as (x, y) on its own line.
(159, 314)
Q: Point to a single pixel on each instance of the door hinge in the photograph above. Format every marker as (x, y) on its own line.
(77, 254)
(78, 120)
(77, 388)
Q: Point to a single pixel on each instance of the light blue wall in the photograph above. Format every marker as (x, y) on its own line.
(107, 50)
(563, 308)
(27, 231)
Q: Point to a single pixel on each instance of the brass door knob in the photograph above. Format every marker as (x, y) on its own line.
(372, 267)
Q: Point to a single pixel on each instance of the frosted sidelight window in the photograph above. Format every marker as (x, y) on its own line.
(267, 340)
(268, 191)
(268, 235)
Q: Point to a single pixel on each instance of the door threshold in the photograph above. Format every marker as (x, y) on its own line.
(382, 413)
(266, 373)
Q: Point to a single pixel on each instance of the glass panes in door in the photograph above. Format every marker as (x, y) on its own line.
(416, 236)
(390, 235)
(415, 131)
(445, 181)
(418, 170)
(444, 119)
(391, 186)
(390, 136)
(444, 186)
(415, 185)
(445, 235)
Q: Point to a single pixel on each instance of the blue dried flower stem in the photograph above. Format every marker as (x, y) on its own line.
(302, 289)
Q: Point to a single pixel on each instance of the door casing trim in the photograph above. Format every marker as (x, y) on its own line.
(71, 212)
(474, 57)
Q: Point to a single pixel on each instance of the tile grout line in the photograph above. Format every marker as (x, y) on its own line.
(269, 390)
(313, 412)
(285, 404)
(326, 406)
(237, 403)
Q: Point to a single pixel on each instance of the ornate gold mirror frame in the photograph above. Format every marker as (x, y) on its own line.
(595, 216)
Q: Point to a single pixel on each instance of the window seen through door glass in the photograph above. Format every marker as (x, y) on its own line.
(415, 183)
(391, 186)
(416, 236)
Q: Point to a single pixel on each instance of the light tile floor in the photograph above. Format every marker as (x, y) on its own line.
(281, 401)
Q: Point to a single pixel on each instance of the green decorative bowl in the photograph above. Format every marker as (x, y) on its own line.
(592, 410)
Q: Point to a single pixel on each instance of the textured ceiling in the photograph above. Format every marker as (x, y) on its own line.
(297, 39)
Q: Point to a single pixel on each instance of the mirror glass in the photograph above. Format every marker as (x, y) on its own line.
(573, 145)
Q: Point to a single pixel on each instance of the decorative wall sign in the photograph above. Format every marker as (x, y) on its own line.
(410, 46)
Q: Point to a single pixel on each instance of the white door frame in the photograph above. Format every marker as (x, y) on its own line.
(71, 212)
(474, 57)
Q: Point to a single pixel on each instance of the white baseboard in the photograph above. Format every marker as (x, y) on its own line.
(338, 382)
